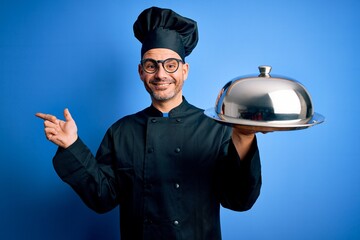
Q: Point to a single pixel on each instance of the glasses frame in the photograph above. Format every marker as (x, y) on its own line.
(156, 63)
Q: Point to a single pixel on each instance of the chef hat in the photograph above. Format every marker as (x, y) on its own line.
(164, 28)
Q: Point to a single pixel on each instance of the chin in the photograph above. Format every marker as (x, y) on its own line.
(162, 96)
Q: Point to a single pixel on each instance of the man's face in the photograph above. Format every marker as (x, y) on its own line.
(161, 85)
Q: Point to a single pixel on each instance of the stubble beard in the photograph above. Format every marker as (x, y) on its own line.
(161, 97)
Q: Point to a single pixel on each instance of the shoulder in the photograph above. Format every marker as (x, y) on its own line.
(198, 115)
(129, 121)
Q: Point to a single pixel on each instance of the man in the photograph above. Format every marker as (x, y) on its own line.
(168, 167)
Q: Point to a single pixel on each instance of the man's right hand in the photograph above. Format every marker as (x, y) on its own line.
(62, 133)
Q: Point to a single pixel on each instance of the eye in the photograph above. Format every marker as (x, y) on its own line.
(171, 65)
(150, 65)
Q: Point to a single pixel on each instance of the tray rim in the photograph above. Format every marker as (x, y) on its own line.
(266, 126)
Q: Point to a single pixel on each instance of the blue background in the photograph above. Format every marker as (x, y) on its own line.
(82, 55)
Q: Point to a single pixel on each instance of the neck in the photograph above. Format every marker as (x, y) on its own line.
(167, 105)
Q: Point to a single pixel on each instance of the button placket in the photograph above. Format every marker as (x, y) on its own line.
(173, 149)
(147, 221)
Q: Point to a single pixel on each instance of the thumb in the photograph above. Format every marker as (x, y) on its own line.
(67, 115)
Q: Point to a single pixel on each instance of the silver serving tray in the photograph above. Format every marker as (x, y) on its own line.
(265, 126)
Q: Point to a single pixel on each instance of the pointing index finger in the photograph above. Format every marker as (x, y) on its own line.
(46, 116)
(41, 115)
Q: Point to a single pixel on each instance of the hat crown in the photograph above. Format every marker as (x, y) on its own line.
(163, 28)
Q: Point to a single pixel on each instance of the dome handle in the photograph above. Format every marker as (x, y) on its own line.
(264, 71)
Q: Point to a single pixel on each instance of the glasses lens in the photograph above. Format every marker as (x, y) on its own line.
(150, 65)
(171, 65)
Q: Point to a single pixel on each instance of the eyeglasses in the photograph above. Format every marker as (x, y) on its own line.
(170, 65)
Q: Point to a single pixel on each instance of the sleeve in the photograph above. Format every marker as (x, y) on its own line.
(93, 179)
(240, 180)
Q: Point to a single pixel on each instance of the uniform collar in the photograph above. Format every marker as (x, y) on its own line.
(175, 112)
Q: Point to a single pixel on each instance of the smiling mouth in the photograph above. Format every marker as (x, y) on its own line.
(161, 85)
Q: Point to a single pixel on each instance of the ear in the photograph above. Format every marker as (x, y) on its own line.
(141, 72)
(185, 70)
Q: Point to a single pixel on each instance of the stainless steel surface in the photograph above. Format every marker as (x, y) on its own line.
(265, 126)
(265, 102)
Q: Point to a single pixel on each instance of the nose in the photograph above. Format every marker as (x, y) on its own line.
(161, 73)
